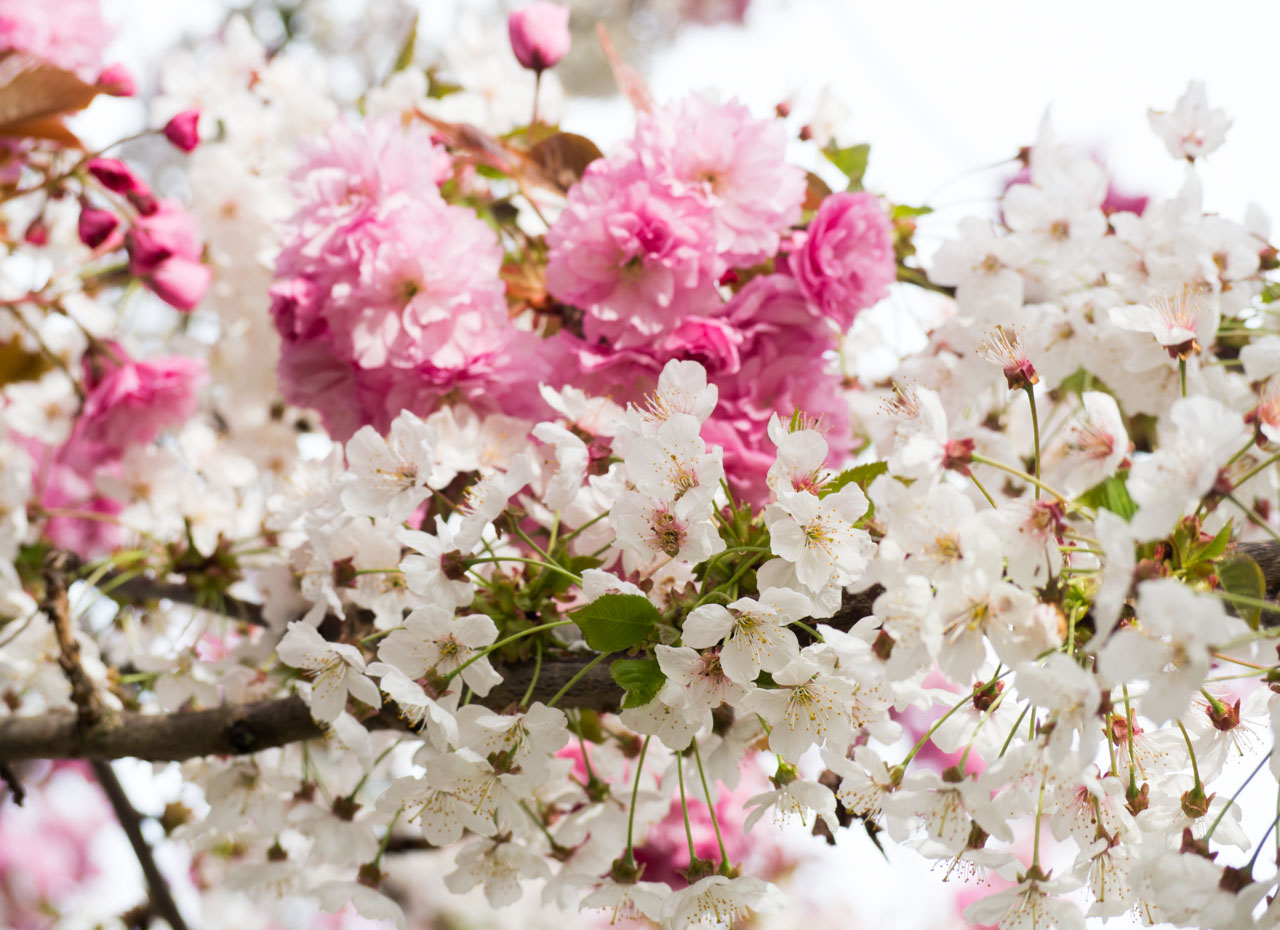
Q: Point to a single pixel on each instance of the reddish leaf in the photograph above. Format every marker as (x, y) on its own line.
(35, 97)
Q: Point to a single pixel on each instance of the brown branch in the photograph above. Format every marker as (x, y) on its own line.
(252, 727)
(144, 590)
(238, 729)
(58, 608)
(162, 903)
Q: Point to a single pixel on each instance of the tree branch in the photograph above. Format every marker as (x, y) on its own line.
(55, 605)
(162, 903)
(240, 729)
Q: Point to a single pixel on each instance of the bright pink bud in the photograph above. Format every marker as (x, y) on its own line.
(96, 225)
(117, 81)
(37, 232)
(184, 130)
(180, 282)
(539, 34)
(169, 231)
(115, 175)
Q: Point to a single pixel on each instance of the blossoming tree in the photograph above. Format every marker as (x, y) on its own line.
(433, 481)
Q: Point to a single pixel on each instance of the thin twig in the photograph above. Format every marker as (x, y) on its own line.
(162, 903)
(84, 695)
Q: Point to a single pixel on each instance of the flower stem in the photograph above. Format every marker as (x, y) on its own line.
(1035, 429)
(1222, 813)
(1182, 375)
(1195, 769)
(502, 642)
(576, 678)
(635, 793)
(711, 807)
(537, 670)
(1017, 473)
(576, 579)
(684, 809)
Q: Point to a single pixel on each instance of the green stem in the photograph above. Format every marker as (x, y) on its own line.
(537, 670)
(386, 837)
(576, 579)
(1253, 517)
(635, 793)
(1128, 726)
(594, 520)
(576, 678)
(1017, 473)
(1195, 769)
(1035, 429)
(1012, 730)
(684, 809)
(990, 499)
(502, 642)
(1222, 813)
(1257, 468)
(939, 722)
(711, 807)
(1182, 375)
(1035, 850)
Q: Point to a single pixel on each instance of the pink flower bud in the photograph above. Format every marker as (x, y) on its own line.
(169, 231)
(96, 225)
(180, 282)
(539, 34)
(117, 81)
(115, 175)
(184, 130)
(37, 232)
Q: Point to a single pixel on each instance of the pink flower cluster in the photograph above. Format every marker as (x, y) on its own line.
(389, 298)
(649, 232)
(127, 403)
(164, 244)
(651, 237)
(69, 33)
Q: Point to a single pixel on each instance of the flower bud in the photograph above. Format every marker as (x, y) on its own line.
(117, 81)
(115, 175)
(184, 130)
(539, 34)
(96, 225)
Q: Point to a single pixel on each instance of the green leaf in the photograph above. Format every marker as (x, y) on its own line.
(901, 210)
(861, 475)
(615, 622)
(1111, 495)
(642, 679)
(1241, 575)
(405, 58)
(852, 162)
(1213, 548)
(1271, 293)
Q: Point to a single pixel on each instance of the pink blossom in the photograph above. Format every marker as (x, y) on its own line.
(845, 262)
(115, 175)
(117, 81)
(785, 367)
(68, 492)
(69, 33)
(539, 34)
(96, 225)
(128, 402)
(733, 164)
(181, 282)
(165, 249)
(387, 297)
(184, 130)
(633, 255)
